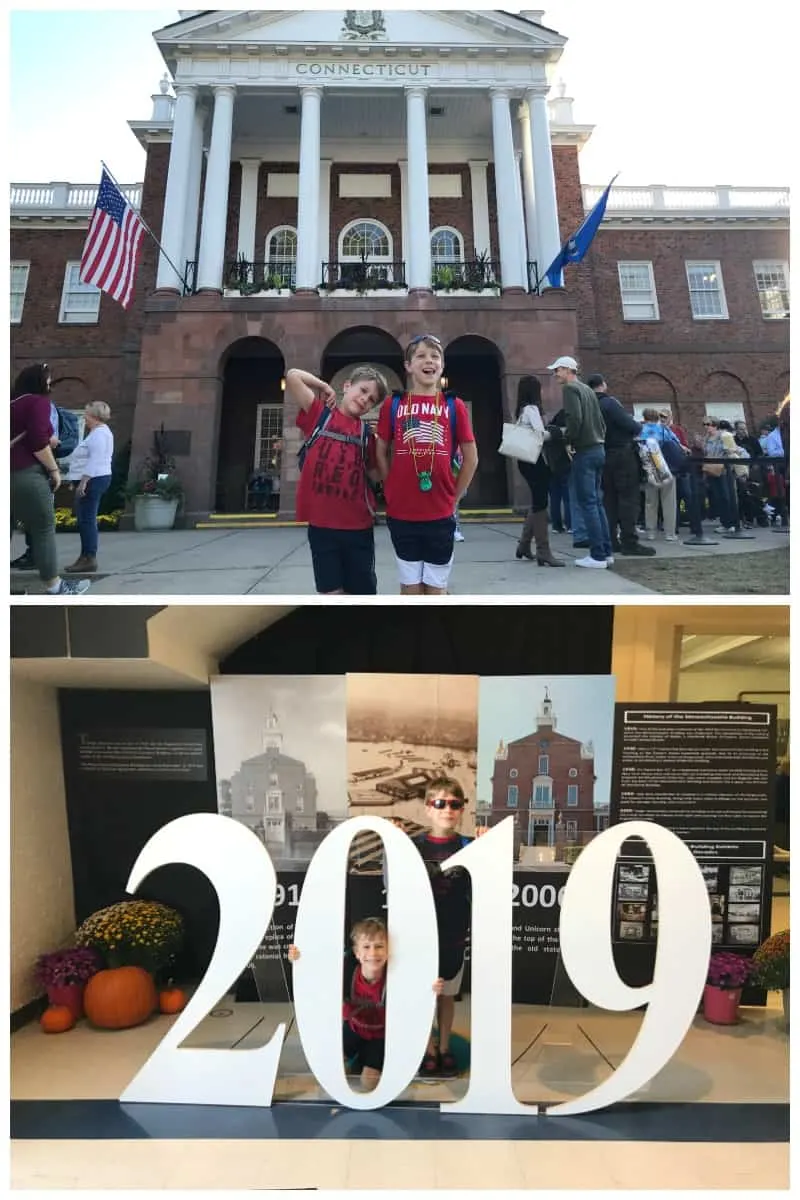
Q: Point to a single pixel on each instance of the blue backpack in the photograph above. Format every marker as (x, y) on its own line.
(68, 433)
(674, 455)
(450, 400)
(319, 431)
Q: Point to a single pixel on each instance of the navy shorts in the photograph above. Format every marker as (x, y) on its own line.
(368, 1052)
(423, 541)
(343, 560)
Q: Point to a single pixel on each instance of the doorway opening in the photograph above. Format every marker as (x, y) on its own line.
(251, 427)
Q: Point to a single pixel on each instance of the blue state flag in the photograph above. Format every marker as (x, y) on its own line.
(575, 248)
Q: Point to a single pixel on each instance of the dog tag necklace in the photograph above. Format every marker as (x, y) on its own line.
(424, 475)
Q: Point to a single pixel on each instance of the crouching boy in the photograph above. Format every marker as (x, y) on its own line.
(364, 995)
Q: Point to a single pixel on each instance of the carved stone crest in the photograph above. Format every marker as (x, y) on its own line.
(363, 25)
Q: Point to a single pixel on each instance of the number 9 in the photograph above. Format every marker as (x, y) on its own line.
(682, 953)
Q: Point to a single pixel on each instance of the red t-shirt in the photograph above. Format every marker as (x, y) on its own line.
(30, 415)
(332, 491)
(422, 422)
(364, 1009)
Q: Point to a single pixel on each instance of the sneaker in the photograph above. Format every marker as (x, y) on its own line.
(431, 1065)
(448, 1066)
(610, 560)
(671, 537)
(651, 537)
(458, 536)
(72, 587)
(23, 563)
(599, 564)
(637, 550)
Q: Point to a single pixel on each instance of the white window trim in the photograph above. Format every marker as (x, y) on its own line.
(18, 264)
(90, 317)
(356, 258)
(460, 240)
(267, 256)
(717, 268)
(576, 802)
(771, 264)
(653, 297)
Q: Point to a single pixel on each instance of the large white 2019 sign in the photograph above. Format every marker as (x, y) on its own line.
(239, 867)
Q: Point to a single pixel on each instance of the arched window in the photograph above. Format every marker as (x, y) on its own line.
(447, 247)
(368, 239)
(281, 256)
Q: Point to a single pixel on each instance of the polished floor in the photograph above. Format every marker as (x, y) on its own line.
(715, 1117)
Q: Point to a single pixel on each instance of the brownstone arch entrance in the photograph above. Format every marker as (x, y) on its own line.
(363, 344)
(251, 427)
(474, 371)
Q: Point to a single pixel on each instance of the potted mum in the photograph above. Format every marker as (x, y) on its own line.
(771, 967)
(138, 941)
(727, 975)
(64, 974)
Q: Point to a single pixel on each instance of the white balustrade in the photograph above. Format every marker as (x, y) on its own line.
(77, 197)
(657, 198)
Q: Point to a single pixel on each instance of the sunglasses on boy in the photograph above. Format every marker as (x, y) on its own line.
(441, 802)
(424, 337)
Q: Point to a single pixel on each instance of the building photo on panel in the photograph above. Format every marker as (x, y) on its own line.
(216, 983)
(317, 191)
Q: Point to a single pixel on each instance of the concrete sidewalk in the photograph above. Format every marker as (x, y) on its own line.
(276, 562)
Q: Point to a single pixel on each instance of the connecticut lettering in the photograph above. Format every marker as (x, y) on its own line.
(364, 70)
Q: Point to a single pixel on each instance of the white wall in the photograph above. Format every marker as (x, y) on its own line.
(42, 909)
(725, 683)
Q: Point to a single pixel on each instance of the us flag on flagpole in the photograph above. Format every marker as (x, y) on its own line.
(113, 245)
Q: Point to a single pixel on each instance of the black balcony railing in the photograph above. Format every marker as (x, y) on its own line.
(534, 280)
(472, 275)
(250, 277)
(363, 276)
(189, 278)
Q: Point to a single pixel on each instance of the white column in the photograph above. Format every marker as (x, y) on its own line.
(246, 243)
(172, 225)
(545, 181)
(324, 247)
(528, 189)
(308, 190)
(215, 198)
(405, 249)
(523, 238)
(419, 221)
(509, 213)
(193, 189)
(480, 206)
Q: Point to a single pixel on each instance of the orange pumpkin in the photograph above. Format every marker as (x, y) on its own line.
(57, 1019)
(120, 998)
(171, 1000)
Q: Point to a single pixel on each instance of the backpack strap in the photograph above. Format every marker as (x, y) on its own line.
(450, 398)
(396, 398)
(321, 422)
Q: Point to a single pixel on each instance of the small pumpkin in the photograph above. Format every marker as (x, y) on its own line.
(57, 1019)
(120, 997)
(172, 1000)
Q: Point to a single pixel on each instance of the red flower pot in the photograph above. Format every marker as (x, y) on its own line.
(68, 994)
(721, 1005)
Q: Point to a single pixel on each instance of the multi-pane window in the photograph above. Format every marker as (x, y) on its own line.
(366, 238)
(80, 302)
(541, 796)
(772, 281)
(19, 286)
(637, 288)
(572, 794)
(706, 293)
(544, 764)
(281, 257)
(447, 247)
(572, 830)
(513, 795)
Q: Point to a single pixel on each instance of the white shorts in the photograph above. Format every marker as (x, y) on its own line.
(413, 573)
(453, 986)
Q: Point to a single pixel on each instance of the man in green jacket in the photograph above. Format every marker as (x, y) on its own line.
(585, 431)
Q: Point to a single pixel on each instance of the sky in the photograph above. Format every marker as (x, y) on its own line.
(693, 92)
(583, 706)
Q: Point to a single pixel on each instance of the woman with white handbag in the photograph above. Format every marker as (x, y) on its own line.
(524, 440)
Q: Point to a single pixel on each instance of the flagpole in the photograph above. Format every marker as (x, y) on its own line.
(147, 228)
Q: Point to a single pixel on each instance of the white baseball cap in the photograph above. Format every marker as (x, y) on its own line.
(564, 361)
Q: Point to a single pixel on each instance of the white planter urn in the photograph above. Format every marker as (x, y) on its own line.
(153, 512)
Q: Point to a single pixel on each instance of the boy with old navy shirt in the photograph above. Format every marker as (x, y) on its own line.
(417, 454)
(333, 490)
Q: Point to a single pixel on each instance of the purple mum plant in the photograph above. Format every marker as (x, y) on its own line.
(73, 965)
(728, 971)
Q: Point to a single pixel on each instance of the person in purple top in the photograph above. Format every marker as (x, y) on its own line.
(35, 477)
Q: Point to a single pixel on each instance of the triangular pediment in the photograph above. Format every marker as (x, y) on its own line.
(356, 30)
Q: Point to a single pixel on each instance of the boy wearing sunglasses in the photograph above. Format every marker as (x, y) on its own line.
(452, 895)
(427, 465)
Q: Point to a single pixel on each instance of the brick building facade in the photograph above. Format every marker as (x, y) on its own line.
(545, 781)
(207, 362)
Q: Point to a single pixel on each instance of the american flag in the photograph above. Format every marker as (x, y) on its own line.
(113, 245)
(423, 433)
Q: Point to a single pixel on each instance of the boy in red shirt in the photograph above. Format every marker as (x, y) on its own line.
(364, 991)
(333, 491)
(417, 461)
